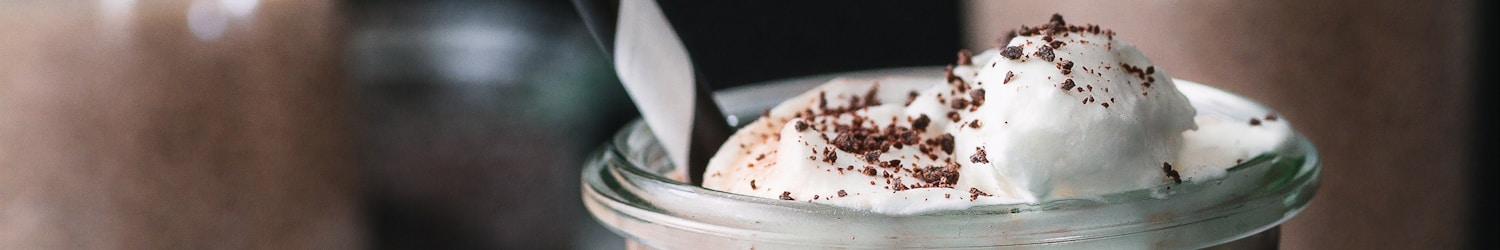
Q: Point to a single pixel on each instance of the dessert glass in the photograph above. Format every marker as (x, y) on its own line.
(631, 187)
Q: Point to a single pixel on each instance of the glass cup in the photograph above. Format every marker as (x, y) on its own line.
(632, 188)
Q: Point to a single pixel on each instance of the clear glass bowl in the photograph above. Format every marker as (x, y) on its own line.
(626, 186)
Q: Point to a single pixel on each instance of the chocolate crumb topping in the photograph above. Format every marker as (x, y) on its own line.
(891, 164)
(1045, 52)
(1171, 173)
(921, 122)
(1008, 76)
(842, 193)
(937, 176)
(801, 126)
(869, 171)
(829, 156)
(786, 195)
(1068, 85)
(946, 142)
(1011, 52)
(1105, 104)
(965, 57)
(979, 156)
(959, 104)
(974, 124)
(978, 97)
(822, 99)
(1150, 70)
(1133, 70)
(1057, 44)
(1057, 19)
(1254, 122)
(1271, 117)
(872, 156)
(910, 97)
(974, 194)
(752, 185)
(948, 74)
(953, 116)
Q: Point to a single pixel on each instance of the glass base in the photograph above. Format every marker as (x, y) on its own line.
(1269, 239)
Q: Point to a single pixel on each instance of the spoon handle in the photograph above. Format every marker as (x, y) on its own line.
(653, 64)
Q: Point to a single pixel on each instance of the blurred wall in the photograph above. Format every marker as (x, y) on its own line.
(1381, 87)
(174, 125)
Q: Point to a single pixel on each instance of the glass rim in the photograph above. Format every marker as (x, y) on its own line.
(619, 188)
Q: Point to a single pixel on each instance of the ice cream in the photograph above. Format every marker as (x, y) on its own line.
(1059, 112)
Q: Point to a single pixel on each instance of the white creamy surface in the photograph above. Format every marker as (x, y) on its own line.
(1111, 132)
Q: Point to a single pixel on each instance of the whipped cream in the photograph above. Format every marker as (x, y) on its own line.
(1059, 112)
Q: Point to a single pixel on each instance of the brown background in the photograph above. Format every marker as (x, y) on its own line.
(130, 132)
(1381, 87)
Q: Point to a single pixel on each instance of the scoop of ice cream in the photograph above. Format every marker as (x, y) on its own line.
(1059, 112)
(1073, 112)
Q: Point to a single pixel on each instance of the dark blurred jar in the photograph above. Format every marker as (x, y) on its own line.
(175, 125)
(473, 120)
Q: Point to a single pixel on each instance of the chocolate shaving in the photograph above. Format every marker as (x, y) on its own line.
(948, 74)
(1068, 85)
(1045, 52)
(974, 194)
(786, 195)
(959, 104)
(979, 156)
(1171, 173)
(891, 164)
(921, 122)
(752, 185)
(1011, 52)
(842, 193)
(829, 156)
(978, 97)
(946, 142)
(1008, 76)
(965, 57)
(868, 171)
(935, 176)
(910, 97)
(801, 126)
(1254, 122)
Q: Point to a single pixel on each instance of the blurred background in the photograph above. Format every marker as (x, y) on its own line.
(450, 124)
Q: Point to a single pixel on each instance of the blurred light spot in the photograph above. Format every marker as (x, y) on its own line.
(479, 53)
(116, 15)
(116, 10)
(206, 21)
(734, 121)
(239, 8)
